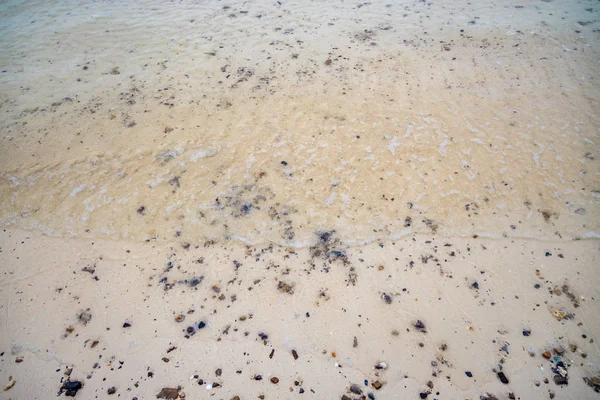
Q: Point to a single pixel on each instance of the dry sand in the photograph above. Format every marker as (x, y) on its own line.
(321, 199)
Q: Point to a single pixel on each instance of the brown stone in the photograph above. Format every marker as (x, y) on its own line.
(168, 393)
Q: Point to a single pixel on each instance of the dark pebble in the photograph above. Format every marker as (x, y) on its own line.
(502, 378)
(356, 389)
(112, 390)
(295, 354)
(283, 163)
(526, 332)
(560, 380)
(201, 325)
(71, 388)
(469, 374)
(126, 325)
(420, 325)
(423, 395)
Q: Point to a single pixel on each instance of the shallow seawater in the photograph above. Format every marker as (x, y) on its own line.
(263, 122)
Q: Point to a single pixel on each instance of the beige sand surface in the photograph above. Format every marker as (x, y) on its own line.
(311, 177)
(474, 296)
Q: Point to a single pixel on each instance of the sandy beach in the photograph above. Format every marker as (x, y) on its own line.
(331, 200)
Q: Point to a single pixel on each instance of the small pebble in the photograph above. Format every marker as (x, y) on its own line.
(356, 389)
(502, 377)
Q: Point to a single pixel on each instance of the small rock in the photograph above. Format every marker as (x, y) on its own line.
(275, 380)
(561, 380)
(71, 388)
(295, 354)
(469, 374)
(126, 325)
(502, 377)
(218, 372)
(526, 332)
(547, 355)
(201, 325)
(112, 390)
(377, 385)
(420, 326)
(356, 389)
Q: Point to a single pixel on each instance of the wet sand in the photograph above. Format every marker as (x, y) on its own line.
(272, 200)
